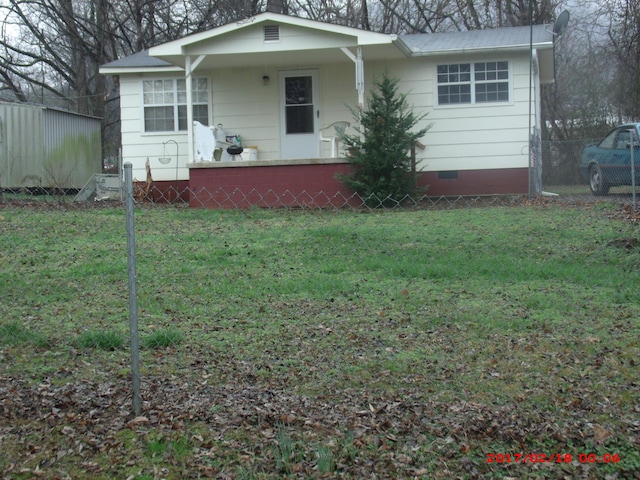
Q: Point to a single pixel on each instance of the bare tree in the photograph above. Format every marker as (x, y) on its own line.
(624, 36)
(597, 73)
(504, 13)
(51, 50)
(276, 6)
(415, 16)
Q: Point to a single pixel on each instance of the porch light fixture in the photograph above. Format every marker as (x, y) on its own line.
(265, 80)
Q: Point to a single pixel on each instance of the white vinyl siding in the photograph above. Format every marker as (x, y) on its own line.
(491, 135)
(468, 136)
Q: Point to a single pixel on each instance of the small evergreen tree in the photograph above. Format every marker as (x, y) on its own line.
(381, 158)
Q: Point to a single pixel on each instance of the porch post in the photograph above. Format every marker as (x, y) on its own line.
(360, 78)
(360, 88)
(189, 68)
(357, 59)
(359, 62)
(188, 85)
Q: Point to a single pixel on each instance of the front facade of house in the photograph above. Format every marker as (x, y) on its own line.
(275, 81)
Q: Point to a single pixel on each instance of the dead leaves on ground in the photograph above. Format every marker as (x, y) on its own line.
(235, 426)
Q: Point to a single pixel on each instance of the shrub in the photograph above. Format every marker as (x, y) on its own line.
(380, 152)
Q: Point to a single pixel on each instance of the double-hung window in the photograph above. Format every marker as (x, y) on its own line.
(469, 83)
(165, 103)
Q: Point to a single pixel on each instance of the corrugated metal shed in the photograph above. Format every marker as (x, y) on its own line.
(46, 147)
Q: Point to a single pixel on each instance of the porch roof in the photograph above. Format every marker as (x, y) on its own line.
(293, 39)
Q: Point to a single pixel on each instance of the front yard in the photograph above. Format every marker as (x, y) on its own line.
(457, 343)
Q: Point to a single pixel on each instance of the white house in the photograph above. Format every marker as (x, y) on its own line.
(276, 81)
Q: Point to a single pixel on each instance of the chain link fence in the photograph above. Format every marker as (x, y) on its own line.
(237, 199)
(561, 162)
(560, 174)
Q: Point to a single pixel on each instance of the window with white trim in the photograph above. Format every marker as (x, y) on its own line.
(165, 103)
(469, 83)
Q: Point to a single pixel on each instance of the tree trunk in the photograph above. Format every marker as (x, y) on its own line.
(275, 6)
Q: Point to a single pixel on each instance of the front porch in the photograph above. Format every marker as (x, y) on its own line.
(296, 183)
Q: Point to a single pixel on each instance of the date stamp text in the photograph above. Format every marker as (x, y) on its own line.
(551, 458)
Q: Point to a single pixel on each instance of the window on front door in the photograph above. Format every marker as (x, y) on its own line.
(299, 104)
(165, 104)
(468, 83)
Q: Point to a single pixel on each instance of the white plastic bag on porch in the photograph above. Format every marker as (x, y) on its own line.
(204, 143)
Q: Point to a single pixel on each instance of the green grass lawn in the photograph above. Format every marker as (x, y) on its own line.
(279, 344)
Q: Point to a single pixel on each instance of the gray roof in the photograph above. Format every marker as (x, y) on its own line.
(418, 44)
(476, 39)
(138, 60)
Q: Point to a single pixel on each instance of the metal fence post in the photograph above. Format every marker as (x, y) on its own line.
(633, 169)
(133, 294)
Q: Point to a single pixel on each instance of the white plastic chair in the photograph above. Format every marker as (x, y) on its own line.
(333, 134)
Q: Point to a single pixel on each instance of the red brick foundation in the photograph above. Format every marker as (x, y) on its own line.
(507, 181)
(313, 184)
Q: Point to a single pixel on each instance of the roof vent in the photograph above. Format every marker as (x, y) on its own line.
(271, 33)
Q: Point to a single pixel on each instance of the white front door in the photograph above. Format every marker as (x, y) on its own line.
(299, 114)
